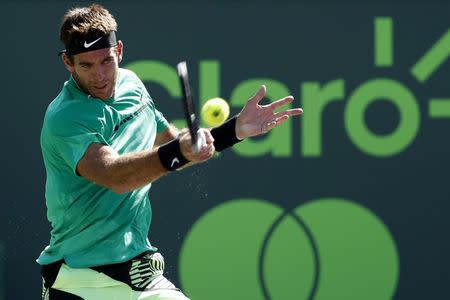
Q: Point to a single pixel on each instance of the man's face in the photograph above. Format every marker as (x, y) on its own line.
(95, 71)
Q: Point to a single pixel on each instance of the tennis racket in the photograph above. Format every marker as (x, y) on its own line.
(197, 135)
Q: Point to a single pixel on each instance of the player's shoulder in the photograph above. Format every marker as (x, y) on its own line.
(129, 84)
(68, 103)
(68, 109)
(128, 76)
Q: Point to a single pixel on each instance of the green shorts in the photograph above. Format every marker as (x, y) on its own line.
(91, 284)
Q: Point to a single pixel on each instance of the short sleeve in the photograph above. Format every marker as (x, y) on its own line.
(72, 148)
(67, 135)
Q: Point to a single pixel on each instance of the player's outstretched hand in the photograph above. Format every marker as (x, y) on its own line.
(256, 119)
(205, 152)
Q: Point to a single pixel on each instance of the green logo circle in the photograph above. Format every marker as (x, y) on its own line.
(324, 249)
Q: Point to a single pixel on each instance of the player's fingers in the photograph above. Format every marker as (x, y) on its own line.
(208, 136)
(281, 102)
(258, 96)
(206, 149)
(266, 127)
(208, 144)
(211, 151)
(206, 153)
(289, 112)
(281, 120)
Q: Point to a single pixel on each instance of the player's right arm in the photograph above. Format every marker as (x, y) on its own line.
(167, 135)
(102, 165)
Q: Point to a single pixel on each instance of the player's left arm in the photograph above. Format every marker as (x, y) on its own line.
(254, 119)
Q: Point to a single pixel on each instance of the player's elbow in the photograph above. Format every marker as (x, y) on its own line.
(121, 191)
(108, 180)
(124, 184)
(119, 187)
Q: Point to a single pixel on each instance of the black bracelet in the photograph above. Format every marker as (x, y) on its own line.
(225, 135)
(170, 155)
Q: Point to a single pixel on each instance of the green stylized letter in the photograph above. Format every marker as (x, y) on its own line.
(314, 101)
(209, 82)
(161, 74)
(401, 137)
(384, 39)
(157, 72)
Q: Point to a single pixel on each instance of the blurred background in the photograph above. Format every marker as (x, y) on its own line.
(349, 201)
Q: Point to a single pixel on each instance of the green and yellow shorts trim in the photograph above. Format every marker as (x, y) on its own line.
(139, 278)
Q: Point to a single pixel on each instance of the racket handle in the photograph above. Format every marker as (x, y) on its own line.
(200, 142)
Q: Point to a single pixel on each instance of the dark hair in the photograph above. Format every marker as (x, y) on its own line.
(81, 23)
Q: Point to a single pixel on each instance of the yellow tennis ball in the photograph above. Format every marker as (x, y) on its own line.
(215, 111)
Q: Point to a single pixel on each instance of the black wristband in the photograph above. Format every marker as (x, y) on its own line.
(225, 135)
(170, 155)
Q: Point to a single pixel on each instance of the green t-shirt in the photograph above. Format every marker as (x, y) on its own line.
(92, 225)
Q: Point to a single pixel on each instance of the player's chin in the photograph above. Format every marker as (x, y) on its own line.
(103, 93)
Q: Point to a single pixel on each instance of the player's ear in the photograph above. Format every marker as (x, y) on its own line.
(119, 51)
(67, 62)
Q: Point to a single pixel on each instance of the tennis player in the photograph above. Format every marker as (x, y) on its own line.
(104, 142)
